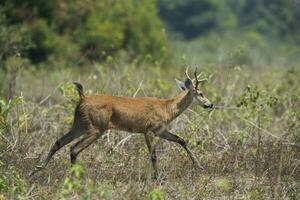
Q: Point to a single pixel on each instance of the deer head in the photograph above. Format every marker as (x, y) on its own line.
(193, 86)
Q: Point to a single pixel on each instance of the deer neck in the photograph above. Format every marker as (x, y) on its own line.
(178, 104)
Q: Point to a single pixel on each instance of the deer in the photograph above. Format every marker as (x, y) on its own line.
(95, 114)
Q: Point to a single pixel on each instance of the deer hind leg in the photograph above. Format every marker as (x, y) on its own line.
(64, 140)
(174, 138)
(149, 137)
(82, 144)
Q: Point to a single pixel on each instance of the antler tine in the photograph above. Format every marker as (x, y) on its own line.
(199, 75)
(187, 72)
(201, 80)
(196, 78)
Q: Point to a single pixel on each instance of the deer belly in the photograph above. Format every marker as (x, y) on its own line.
(128, 123)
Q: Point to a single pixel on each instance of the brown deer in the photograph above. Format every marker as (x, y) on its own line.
(148, 115)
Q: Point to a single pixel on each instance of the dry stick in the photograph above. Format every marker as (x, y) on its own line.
(24, 113)
(277, 186)
(138, 89)
(48, 96)
(269, 133)
(14, 137)
(227, 107)
(28, 196)
(227, 146)
(124, 140)
(107, 135)
(258, 152)
(255, 126)
(298, 163)
(5, 138)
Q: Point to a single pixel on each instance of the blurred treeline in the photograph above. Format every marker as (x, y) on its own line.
(192, 18)
(71, 32)
(76, 30)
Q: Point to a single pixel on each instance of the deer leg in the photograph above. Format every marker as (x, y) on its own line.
(82, 144)
(149, 137)
(64, 140)
(174, 138)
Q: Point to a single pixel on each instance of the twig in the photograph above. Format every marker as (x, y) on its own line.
(29, 191)
(265, 131)
(226, 107)
(295, 167)
(25, 116)
(277, 189)
(225, 139)
(48, 96)
(138, 89)
(123, 141)
(5, 138)
(269, 133)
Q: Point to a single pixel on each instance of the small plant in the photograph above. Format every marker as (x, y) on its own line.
(156, 194)
(12, 184)
(257, 194)
(68, 91)
(5, 108)
(78, 185)
(223, 185)
(73, 183)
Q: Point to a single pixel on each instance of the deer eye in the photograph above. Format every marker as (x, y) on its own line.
(201, 94)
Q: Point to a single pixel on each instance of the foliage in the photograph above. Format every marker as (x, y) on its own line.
(257, 194)
(14, 38)
(6, 109)
(97, 29)
(11, 182)
(46, 43)
(156, 194)
(223, 185)
(191, 17)
(77, 185)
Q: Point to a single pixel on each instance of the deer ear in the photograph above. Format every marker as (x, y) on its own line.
(184, 85)
(181, 84)
(188, 83)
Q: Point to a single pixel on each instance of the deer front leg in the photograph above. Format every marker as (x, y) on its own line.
(149, 137)
(174, 138)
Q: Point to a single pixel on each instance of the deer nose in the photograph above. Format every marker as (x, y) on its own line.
(208, 106)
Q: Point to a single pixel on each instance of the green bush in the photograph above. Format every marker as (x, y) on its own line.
(129, 25)
(47, 42)
(97, 29)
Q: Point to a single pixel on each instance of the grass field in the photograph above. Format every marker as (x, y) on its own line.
(248, 145)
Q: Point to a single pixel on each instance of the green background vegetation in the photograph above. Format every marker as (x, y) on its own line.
(249, 50)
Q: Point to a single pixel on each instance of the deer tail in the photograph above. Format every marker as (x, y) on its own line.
(79, 89)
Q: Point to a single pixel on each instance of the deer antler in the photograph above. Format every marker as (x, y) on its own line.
(187, 73)
(195, 80)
